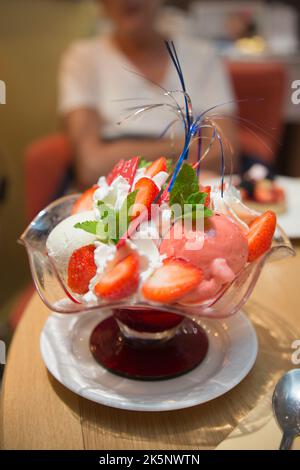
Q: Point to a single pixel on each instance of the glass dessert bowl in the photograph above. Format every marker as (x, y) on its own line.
(143, 338)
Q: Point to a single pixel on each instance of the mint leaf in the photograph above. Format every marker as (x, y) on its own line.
(123, 216)
(89, 226)
(170, 165)
(98, 228)
(112, 225)
(105, 228)
(102, 231)
(196, 198)
(193, 209)
(108, 224)
(197, 210)
(144, 163)
(186, 191)
(104, 209)
(127, 205)
(208, 212)
(185, 185)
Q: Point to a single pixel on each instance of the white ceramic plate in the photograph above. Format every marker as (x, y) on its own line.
(290, 220)
(65, 351)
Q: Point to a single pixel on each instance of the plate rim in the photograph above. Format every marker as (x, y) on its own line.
(288, 183)
(169, 406)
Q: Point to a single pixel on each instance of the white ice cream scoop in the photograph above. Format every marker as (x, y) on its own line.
(65, 238)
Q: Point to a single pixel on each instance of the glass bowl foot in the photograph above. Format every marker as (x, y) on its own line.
(175, 353)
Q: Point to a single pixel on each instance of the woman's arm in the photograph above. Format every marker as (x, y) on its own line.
(96, 157)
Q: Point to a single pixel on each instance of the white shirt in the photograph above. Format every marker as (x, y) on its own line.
(96, 75)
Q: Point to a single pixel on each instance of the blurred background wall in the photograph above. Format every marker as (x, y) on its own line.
(33, 35)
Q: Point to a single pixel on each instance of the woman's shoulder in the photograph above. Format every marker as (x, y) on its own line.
(87, 48)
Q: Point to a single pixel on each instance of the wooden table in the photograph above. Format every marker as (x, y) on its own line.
(39, 413)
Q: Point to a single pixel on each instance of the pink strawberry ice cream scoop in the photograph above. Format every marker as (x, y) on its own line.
(220, 251)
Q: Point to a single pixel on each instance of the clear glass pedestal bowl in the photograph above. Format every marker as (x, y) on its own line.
(140, 340)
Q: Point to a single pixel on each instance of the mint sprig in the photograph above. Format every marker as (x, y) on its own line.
(143, 163)
(185, 185)
(89, 226)
(186, 193)
(96, 227)
(196, 198)
(112, 224)
(196, 212)
(123, 216)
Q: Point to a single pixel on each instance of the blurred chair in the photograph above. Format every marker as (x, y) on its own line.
(19, 305)
(46, 164)
(262, 86)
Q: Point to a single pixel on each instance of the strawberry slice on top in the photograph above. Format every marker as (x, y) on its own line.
(85, 202)
(126, 169)
(156, 167)
(260, 235)
(129, 170)
(172, 281)
(121, 281)
(81, 269)
(115, 172)
(147, 192)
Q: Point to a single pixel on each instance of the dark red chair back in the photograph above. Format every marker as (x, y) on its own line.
(262, 84)
(46, 162)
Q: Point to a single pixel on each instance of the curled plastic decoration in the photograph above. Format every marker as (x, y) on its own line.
(193, 126)
(51, 282)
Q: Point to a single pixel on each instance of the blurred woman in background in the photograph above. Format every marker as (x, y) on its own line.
(98, 75)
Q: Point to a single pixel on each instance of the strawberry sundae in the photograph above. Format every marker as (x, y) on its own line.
(133, 238)
(151, 250)
(151, 233)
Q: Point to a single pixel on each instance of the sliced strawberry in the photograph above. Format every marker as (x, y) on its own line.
(147, 192)
(158, 165)
(126, 169)
(129, 169)
(85, 202)
(260, 235)
(121, 281)
(116, 171)
(81, 269)
(172, 281)
(207, 190)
